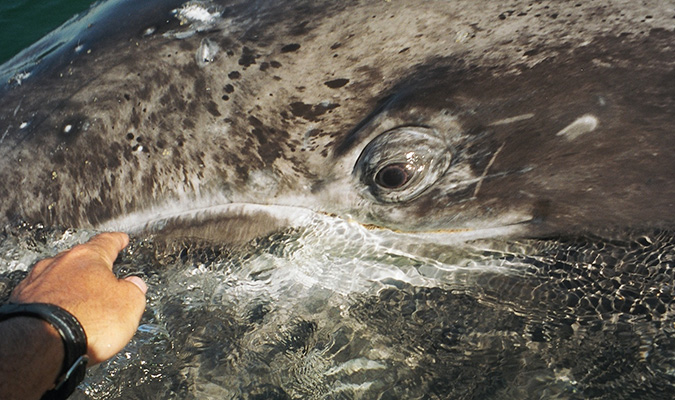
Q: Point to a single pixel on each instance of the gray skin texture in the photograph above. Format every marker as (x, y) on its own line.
(276, 103)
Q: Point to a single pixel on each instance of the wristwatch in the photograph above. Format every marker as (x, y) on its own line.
(74, 339)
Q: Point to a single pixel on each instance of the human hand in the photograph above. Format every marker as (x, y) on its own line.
(81, 281)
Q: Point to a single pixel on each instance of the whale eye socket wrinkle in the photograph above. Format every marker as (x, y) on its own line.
(401, 164)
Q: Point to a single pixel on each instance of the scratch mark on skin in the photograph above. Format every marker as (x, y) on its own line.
(18, 107)
(487, 168)
(511, 120)
(4, 135)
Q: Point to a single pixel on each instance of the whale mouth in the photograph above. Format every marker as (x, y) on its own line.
(231, 223)
(239, 223)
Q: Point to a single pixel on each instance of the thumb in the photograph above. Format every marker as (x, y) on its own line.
(136, 280)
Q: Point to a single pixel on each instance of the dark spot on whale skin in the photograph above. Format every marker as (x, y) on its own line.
(171, 96)
(199, 86)
(247, 58)
(188, 124)
(268, 151)
(531, 52)
(154, 118)
(95, 210)
(275, 64)
(130, 136)
(225, 97)
(289, 48)
(135, 118)
(58, 157)
(264, 66)
(127, 96)
(335, 45)
(404, 50)
(113, 160)
(542, 209)
(191, 107)
(234, 75)
(337, 83)
(300, 29)
(186, 46)
(228, 88)
(241, 171)
(212, 108)
(189, 69)
(311, 112)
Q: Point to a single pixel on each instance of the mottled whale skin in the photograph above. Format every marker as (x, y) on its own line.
(431, 120)
(521, 118)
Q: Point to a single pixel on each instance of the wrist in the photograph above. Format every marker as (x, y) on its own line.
(73, 339)
(31, 356)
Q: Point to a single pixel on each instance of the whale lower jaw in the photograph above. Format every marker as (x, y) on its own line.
(236, 223)
(227, 223)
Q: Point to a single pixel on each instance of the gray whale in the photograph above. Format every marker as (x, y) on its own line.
(530, 118)
(428, 199)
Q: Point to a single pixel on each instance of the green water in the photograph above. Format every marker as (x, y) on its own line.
(23, 22)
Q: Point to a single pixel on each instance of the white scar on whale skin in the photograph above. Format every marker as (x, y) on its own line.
(584, 124)
(487, 168)
(511, 120)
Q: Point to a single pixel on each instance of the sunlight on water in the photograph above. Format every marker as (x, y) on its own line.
(332, 310)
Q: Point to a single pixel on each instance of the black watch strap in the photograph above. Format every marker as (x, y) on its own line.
(74, 339)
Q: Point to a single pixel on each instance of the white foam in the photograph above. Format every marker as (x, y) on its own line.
(197, 13)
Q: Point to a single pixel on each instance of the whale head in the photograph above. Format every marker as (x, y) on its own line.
(435, 120)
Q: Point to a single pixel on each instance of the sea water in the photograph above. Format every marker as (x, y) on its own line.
(331, 310)
(23, 22)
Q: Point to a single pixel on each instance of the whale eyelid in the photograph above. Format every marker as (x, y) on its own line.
(358, 133)
(421, 150)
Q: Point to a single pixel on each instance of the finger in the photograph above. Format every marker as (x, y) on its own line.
(108, 245)
(136, 280)
(125, 317)
(39, 267)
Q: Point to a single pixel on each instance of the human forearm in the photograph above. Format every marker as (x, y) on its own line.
(91, 316)
(31, 355)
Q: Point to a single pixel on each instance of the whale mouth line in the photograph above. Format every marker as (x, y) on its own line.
(242, 222)
(237, 221)
(452, 236)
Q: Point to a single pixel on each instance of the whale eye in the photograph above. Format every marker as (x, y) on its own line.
(393, 176)
(402, 163)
